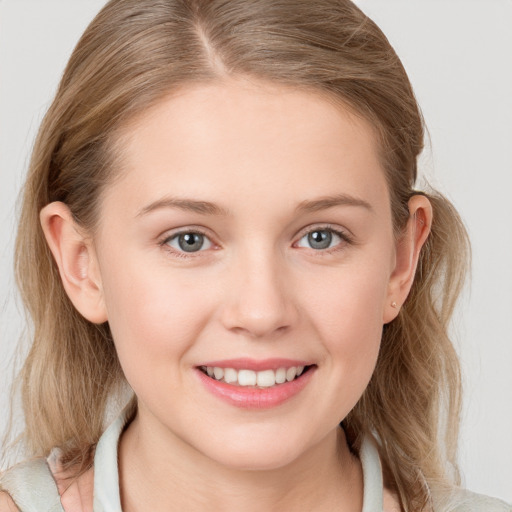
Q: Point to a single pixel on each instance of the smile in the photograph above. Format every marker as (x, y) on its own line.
(246, 377)
(255, 385)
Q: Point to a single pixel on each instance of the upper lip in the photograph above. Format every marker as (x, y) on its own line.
(256, 364)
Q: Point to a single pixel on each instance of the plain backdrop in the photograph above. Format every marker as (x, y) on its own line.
(458, 55)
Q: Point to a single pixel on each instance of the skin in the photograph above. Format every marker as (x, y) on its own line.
(258, 152)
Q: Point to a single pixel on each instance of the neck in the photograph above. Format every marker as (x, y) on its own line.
(160, 473)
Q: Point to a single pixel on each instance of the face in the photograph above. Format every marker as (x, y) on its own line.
(247, 240)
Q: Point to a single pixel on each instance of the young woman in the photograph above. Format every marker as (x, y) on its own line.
(221, 217)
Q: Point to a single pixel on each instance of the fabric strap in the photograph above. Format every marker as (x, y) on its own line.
(36, 476)
(372, 476)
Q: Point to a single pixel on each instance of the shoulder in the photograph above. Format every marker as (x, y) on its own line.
(33, 470)
(6, 503)
(29, 485)
(472, 502)
(466, 501)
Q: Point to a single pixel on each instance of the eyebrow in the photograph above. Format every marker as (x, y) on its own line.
(189, 205)
(323, 203)
(208, 208)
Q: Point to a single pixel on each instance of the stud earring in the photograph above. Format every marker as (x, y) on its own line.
(394, 305)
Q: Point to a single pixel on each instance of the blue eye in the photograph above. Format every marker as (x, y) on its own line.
(320, 239)
(189, 242)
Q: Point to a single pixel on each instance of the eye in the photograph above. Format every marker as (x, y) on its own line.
(321, 239)
(190, 241)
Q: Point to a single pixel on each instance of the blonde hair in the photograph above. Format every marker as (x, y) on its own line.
(133, 54)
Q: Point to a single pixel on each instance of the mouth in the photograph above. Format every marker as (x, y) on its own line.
(248, 378)
(250, 384)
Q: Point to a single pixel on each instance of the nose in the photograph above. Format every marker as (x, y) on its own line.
(259, 302)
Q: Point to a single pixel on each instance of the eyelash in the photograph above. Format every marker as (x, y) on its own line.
(343, 235)
(182, 254)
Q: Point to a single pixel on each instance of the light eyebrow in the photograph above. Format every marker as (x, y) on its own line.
(189, 205)
(323, 203)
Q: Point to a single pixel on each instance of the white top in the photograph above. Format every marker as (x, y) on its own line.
(33, 489)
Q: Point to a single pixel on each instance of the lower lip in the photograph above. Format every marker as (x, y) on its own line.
(256, 398)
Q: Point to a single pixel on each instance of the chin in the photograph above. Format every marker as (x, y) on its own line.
(256, 460)
(256, 453)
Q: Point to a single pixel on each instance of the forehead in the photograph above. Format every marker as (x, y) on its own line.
(249, 140)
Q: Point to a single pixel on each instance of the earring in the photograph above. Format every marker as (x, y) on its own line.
(394, 305)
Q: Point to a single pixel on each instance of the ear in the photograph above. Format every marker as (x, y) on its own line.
(408, 249)
(76, 259)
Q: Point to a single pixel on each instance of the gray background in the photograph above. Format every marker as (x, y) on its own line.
(458, 55)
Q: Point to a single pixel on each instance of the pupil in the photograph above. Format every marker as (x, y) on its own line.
(320, 239)
(190, 242)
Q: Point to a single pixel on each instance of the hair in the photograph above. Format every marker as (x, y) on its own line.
(132, 55)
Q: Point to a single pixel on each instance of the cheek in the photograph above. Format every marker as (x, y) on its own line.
(351, 297)
(154, 316)
(347, 315)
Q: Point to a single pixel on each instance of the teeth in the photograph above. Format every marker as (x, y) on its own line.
(247, 378)
(262, 379)
(266, 379)
(230, 375)
(281, 376)
(291, 373)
